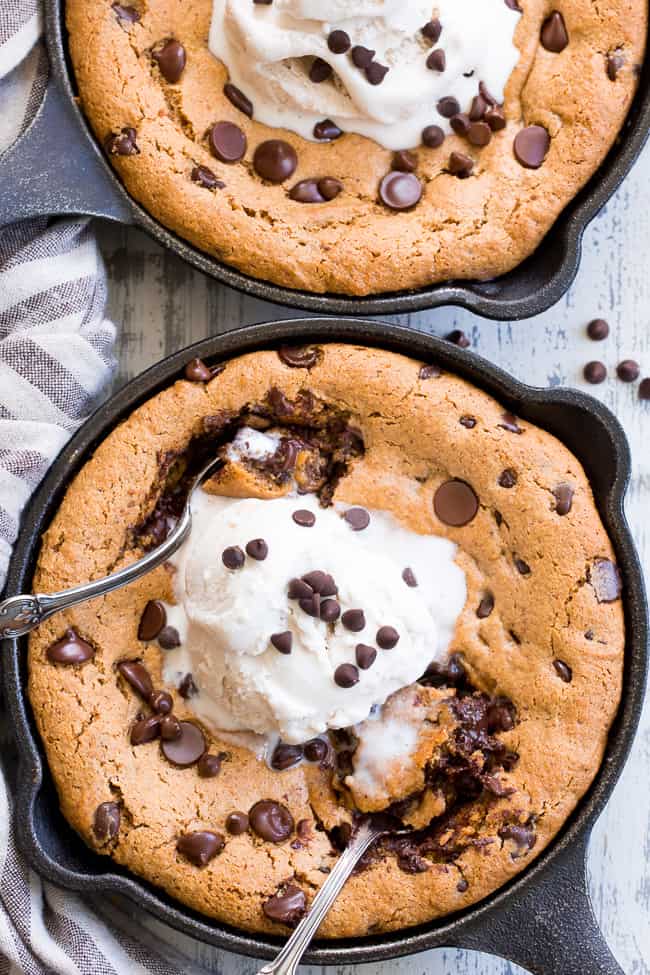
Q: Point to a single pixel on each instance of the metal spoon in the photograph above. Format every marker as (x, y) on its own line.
(20, 614)
(368, 831)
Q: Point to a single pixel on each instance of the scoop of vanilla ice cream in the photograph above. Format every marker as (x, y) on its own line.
(268, 48)
(227, 616)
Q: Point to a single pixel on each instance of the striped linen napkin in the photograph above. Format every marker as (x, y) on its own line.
(56, 356)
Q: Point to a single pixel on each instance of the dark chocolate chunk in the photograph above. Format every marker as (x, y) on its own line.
(299, 356)
(206, 178)
(508, 478)
(122, 143)
(485, 606)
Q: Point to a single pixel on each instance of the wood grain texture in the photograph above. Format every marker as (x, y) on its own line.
(160, 305)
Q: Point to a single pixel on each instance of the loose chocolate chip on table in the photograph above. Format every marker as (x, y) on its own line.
(187, 688)
(233, 557)
(200, 846)
(467, 421)
(455, 503)
(522, 567)
(237, 822)
(357, 518)
(460, 165)
(628, 371)
(458, 337)
(339, 42)
(365, 655)
(170, 728)
(206, 178)
(644, 389)
(209, 765)
(137, 675)
(271, 821)
(129, 14)
(408, 575)
(354, 620)
(152, 620)
(563, 494)
(187, 748)
(563, 671)
(275, 160)
(595, 372)
(508, 478)
(485, 606)
(605, 578)
(197, 371)
(327, 130)
(316, 750)
(304, 518)
(531, 146)
(122, 143)
(161, 702)
(286, 756)
(145, 730)
(70, 649)
(400, 191)
(299, 356)
(288, 906)
(237, 98)
(387, 637)
(598, 329)
(171, 59)
(330, 610)
(169, 638)
(228, 142)
(346, 675)
(553, 35)
(257, 549)
(430, 371)
(106, 822)
(433, 136)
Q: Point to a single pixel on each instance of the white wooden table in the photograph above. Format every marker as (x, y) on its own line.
(161, 304)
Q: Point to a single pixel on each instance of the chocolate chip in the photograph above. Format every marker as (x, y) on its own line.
(299, 589)
(437, 60)
(605, 578)
(169, 638)
(319, 71)
(304, 518)
(408, 575)
(376, 72)
(271, 821)
(316, 750)
(288, 906)
(563, 671)
(495, 118)
(187, 748)
(106, 821)
(237, 98)
(197, 371)
(70, 649)
(122, 143)
(595, 372)
(365, 655)
(354, 620)
(170, 728)
(430, 371)
(467, 421)
(522, 567)
(187, 688)
(299, 356)
(339, 42)
(237, 823)
(531, 146)
(228, 142)
(128, 14)
(598, 329)
(523, 837)
(614, 63)
(200, 847)
(257, 549)
(387, 637)
(455, 503)
(286, 756)
(282, 641)
(628, 371)
(161, 702)
(311, 605)
(330, 610)
(346, 675)
(327, 130)
(485, 606)
(644, 389)
(508, 478)
(209, 765)
(357, 518)
(400, 191)
(479, 134)
(171, 59)
(448, 106)
(432, 30)
(137, 675)
(320, 582)
(233, 557)
(510, 423)
(563, 495)
(458, 337)
(144, 730)
(152, 620)
(405, 161)
(460, 165)
(462, 885)
(275, 160)
(433, 136)
(206, 178)
(553, 35)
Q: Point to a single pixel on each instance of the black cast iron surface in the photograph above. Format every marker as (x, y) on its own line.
(57, 168)
(543, 919)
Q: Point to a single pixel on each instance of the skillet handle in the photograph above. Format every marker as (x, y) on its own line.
(54, 169)
(549, 929)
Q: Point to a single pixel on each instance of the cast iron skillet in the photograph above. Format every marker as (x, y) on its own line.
(543, 919)
(58, 168)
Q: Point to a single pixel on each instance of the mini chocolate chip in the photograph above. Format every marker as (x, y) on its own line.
(228, 142)
(286, 756)
(408, 575)
(485, 606)
(346, 675)
(288, 906)
(209, 765)
(598, 329)
(400, 191)
(339, 42)
(161, 702)
(467, 421)
(70, 649)
(628, 371)
(387, 637)
(430, 371)
(455, 503)
(365, 655)
(122, 143)
(170, 728)
(275, 160)
(299, 356)
(271, 821)
(299, 589)
(137, 675)
(458, 337)
(106, 821)
(563, 671)
(508, 478)
(531, 146)
(522, 567)
(257, 549)
(200, 847)
(171, 59)
(304, 518)
(282, 641)
(187, 748)
(357, 518)
(128, 14)
(237, 98)
(563, 495)
(233, 557)
(605, 578)
(187, 688)
(169, 638)
(197, 371)
(460, 165)
(206, 178)
(237, 822)
(553, 35)
(316, 750)
(354, 620)
(595, 373)
(152, 620)
(330, 610)
(144, 730)
(327, 130)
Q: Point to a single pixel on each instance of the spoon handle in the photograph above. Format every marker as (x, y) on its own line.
(289, 958)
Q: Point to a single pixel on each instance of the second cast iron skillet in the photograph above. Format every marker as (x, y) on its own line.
(542, 920)
(59, 168)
